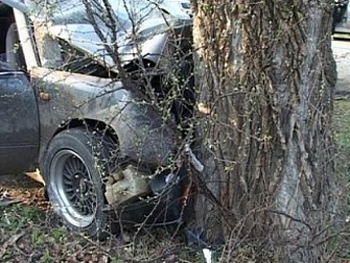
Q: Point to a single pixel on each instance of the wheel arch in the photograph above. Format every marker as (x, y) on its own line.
(91, 124)
(88, 123)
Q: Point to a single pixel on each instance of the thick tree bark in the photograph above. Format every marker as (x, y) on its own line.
(267, 75)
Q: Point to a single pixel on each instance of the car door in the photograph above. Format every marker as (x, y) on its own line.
(19, 123)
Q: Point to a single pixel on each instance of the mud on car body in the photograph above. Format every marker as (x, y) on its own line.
(105, 150)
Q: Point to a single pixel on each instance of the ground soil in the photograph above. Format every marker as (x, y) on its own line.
(23, 189)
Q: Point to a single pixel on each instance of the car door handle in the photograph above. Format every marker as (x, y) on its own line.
(44, 96)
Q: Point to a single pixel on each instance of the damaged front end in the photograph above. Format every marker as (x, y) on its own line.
(148, 114)
(152, 200)
(149, 177)
(115, 100)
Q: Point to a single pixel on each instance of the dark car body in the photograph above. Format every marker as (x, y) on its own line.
(45, 92)
(19, 128)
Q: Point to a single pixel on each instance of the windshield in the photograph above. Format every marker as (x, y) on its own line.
(135, 27)
(125, 11)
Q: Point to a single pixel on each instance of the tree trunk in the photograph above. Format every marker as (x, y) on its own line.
(266, 74)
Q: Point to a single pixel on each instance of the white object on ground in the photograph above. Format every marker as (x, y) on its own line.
(36, 176)
(207, 254)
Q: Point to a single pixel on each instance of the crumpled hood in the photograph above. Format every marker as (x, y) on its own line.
(137, 21)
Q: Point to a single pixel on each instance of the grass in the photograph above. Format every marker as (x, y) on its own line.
(342, 167)
(341, 36)
(342, 139)
(29, 234)
(342, 124)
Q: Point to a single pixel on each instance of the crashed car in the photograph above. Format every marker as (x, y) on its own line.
(107, 130)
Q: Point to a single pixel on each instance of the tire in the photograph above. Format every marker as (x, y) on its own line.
(77, 163)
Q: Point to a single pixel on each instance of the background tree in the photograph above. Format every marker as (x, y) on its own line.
(266, 77)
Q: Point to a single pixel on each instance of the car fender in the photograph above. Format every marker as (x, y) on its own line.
(141, 130)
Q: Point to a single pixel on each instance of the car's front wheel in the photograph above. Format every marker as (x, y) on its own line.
(78, 161)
